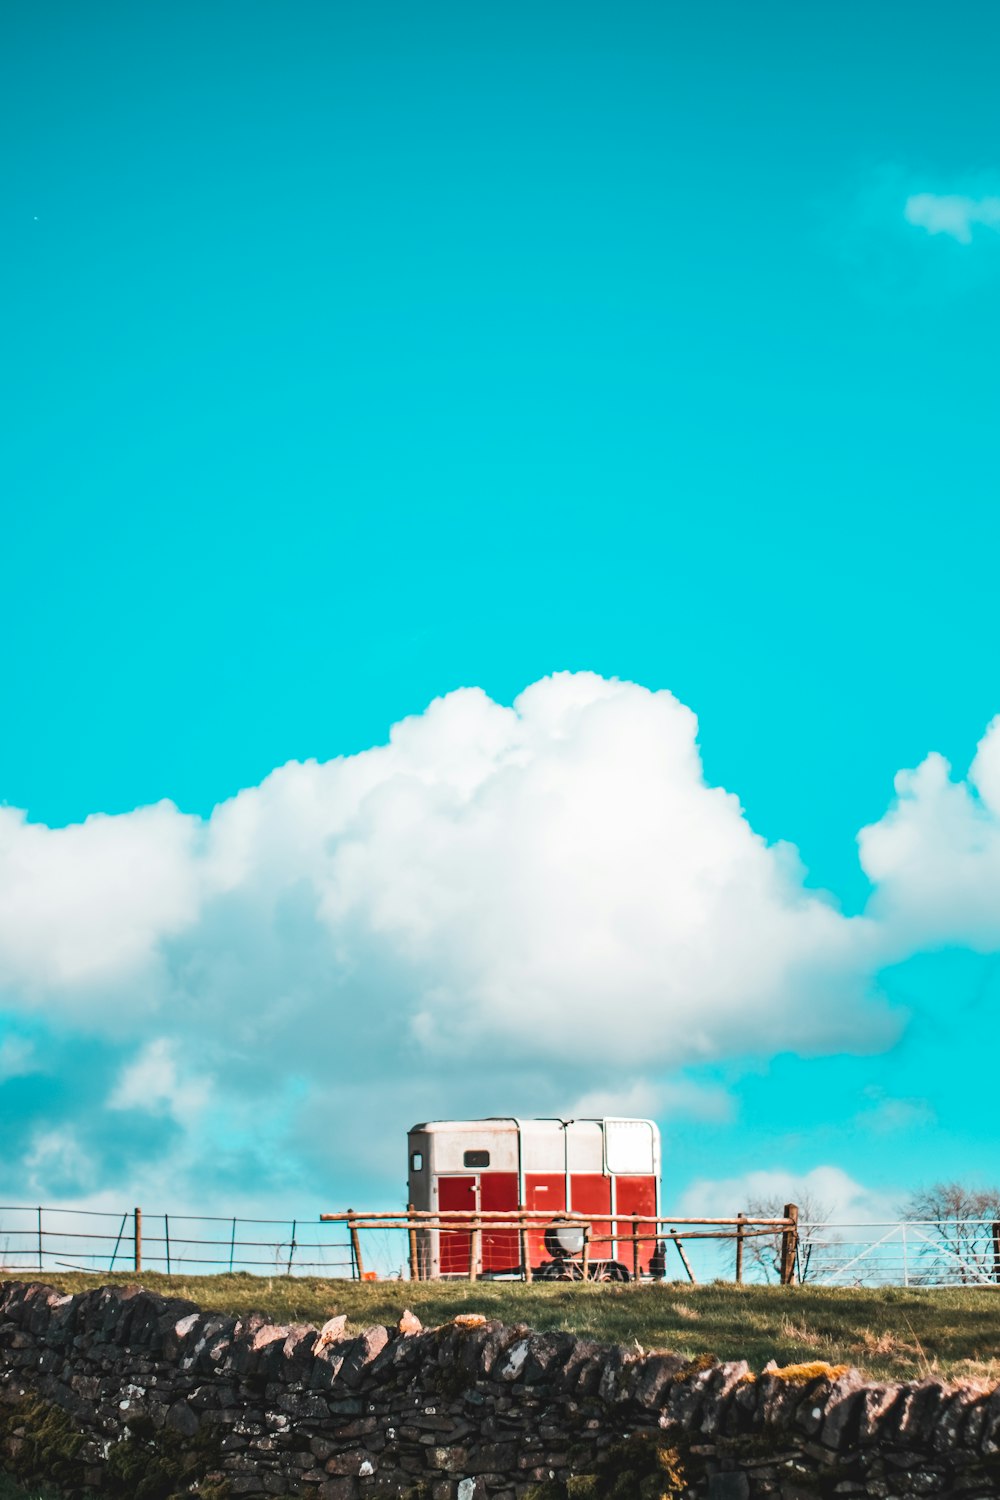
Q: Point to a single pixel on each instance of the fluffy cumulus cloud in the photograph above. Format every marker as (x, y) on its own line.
(953, 214)
(934, 858)
(92, 901)
(514, 879)
(531, 908)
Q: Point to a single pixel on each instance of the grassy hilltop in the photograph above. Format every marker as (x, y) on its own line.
(888, 1332)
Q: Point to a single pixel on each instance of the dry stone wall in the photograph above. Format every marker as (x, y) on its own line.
(120, 1392)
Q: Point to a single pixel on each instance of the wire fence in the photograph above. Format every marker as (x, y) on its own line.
(911, 1253)
(65, 1239)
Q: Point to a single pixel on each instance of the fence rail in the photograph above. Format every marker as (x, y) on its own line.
(474, 1243)
(470, 1245)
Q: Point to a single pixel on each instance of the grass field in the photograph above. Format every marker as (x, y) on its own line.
(888, 1332)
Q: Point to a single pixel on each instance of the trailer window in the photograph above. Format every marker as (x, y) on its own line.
(417, 1161)
(628, 1146)
(476, 1159)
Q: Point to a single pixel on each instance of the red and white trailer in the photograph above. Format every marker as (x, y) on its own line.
(607, 1169)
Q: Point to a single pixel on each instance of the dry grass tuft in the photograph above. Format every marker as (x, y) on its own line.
(682, 1310)
(797, 1331)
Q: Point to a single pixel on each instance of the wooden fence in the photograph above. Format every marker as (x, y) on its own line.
(608, 1247)
(595, 1233)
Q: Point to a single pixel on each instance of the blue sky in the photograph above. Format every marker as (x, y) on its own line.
(353, 355)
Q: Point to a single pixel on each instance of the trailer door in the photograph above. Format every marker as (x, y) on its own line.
(635, 1195)
(501, 1247)
(543, 1190)
(590, 1193)
(456, 1195)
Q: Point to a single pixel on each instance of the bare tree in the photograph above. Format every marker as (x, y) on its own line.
(764, 1251)
(961, 1226)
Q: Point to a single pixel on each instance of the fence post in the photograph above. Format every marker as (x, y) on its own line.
(996, 1252)
(412, 1237)
(525, 1252)
(166, 1238)
(359, 1269)
(232, 1244)
(636, 1264)
(118, 1241)
(585, 1257)
(789, 1245)
(39, 1239)
(684, 1260)
(291, 1248)
(137, 1237)
(475, 1242)
(740, 1236)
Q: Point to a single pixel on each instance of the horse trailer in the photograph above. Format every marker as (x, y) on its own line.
(605, 1169)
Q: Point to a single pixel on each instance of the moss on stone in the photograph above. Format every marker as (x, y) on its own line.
(642, 1467)
(695, 1367)
(43, 1445)
(551, 1489)
(817, 1369)
(582, 1487)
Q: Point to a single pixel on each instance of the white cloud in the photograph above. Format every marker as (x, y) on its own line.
(934, 857)
(829, 1189)
(92, 901)
(953, 214)
(17, 1058)
(887, 1116)
(644, 1099)
(57, 1159)
(153, 1082)
(512, 879)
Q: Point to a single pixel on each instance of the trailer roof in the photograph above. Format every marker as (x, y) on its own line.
(515, 1122)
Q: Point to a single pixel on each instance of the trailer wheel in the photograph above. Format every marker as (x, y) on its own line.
(609, 1270)
(572, 1270)
(558, 1270)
